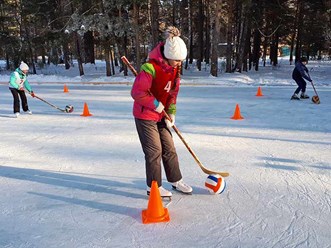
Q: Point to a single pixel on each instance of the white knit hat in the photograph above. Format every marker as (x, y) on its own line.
(174, 47)
(24, 67)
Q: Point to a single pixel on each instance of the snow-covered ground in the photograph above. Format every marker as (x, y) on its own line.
(73, 181)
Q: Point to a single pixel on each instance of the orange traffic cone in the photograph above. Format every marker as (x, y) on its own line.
(65, 89)
(259, 92)
(237, 115)
(86, 112)
(155, 211)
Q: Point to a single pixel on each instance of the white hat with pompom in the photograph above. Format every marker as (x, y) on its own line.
(24, 67)
(174, 47)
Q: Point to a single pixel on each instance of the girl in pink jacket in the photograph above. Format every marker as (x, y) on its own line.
(154, 91)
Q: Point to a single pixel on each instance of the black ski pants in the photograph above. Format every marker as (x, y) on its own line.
(157, 144)
(17, 94)
(301, 85)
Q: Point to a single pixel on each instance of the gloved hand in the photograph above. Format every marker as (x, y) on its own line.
(159, 108)
(32, 94)
(169, 123)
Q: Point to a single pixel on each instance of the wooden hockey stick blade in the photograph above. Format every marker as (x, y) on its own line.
(316, 100)
(203, 168)
(210, 172)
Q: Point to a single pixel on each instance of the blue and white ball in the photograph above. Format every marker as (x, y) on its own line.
(69, 109)
(215, 184)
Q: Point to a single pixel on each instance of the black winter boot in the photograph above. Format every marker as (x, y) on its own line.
(295, 97)
(304, 96)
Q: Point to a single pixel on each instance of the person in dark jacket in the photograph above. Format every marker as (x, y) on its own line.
(300, 74)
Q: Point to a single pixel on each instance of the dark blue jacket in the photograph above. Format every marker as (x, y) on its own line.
(300, 72)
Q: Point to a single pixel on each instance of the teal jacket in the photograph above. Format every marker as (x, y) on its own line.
(18, 79)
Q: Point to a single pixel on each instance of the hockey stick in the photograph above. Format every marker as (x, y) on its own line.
(68, 108)
(315, 99)
(203, 168)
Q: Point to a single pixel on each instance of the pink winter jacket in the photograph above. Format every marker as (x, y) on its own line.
(144, 102)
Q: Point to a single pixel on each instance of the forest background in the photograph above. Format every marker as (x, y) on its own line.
(241, 32)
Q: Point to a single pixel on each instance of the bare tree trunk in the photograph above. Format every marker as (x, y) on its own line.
(247, 47)
(191, 55)
(256, 53)
(200, 35)
(265, 51)
(77, 44)
(256, 49)
(66, 58)
(207, 31)
(274, 49)
(174, 10)
(293, 36)
(240, 39)
(7, 62)
(30, 50)
(185, 23)
(298, 48)
(79, 56)
(242, 34)
(266, 39)
(107, 58)
(292, 47)
(229, 37)
(88, 39)
(89, 47)
(137, 34)
(121, 43)
(154, 21)
(216, 35)
(112, 61)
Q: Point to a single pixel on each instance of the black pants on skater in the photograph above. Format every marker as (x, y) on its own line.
(301, 85)
(157, 143)
(17, 94)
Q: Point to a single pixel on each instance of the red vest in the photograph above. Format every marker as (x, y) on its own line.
(163, 82)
